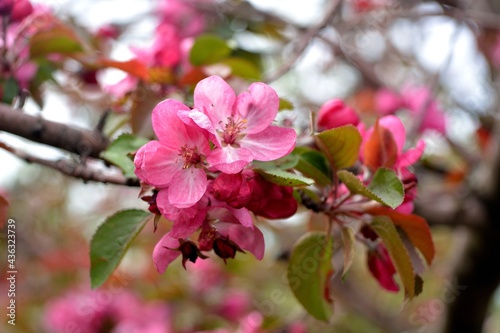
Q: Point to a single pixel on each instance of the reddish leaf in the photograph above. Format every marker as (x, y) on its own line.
(133, 67)
(380, 150)
(415, 227)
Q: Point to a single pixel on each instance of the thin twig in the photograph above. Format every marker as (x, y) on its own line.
(74, 169)
(303, 43)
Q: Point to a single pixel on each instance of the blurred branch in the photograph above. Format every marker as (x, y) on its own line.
(304, 42)
(74, 169)
(80, 141)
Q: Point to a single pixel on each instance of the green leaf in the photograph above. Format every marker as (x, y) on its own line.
(386, 185)
(390, 197)
(59, 39)
(386, 230)
(118, 152)
(286, 162)
(285, 104)
(309, 269)
(284, 178)
(349, 242)
(340, 145)
(10, 90)
(208, 49)
(313, 164)
(111, 241)
(243, 68)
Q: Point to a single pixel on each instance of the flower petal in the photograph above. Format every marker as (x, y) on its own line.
(187, 187)
(155, 164)
(215, 98)
(168, 127)
(259, 106)
(396, 127)
(230, 160)
(270, 144)
(248, 239)
(162, 256)
(411, 156)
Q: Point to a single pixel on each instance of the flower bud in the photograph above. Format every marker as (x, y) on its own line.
(6, 7)
(21, 9)
(335, 113)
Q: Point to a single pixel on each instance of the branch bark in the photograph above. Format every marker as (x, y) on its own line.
(80, 141)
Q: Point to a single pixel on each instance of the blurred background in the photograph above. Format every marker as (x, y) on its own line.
(433, 63)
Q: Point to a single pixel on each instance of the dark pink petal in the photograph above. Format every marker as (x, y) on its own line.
(215, 98)
(382, 268)
(396, 127)
(259, 106)
(243, 216)
(270, 144)
(187, 187)
(168, 127)
(230, 160)
(248, 239)
(162, 256)
(155, 164)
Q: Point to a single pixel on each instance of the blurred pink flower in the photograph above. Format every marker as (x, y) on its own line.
(334, 113)
(174, 164)
(240, 126)
(234, 305)
(418, 101)
(90, 311)
(183, 15)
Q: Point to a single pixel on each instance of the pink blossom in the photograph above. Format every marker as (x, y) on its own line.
(334, 113)
(388, 101)
(182, 15)
(234, 305)
(174, 164)
(240, 126)
(393, 124)
(89, 311)
(418, 101)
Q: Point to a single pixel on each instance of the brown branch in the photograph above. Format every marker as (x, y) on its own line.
(74, 169)
(80, 141)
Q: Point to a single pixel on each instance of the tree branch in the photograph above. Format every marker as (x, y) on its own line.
(80, 141)
(74, 169)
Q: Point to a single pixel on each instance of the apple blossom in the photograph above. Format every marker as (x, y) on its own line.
(240, 126)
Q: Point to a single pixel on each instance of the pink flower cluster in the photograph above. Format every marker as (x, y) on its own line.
(179, 22)
(420, 103)
(199, 170)
(104, 311)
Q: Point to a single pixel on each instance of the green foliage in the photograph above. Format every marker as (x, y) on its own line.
(111, 241)
(60, 39)
(313, 164)
(386, 230)
(349, 242)
(386, 185)
(340, 145)
(385, 188)
(308, 274)
(208, 49)
(284, 178)
(243, 68)
(118, 152)
(10, 90)
(285, 104)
